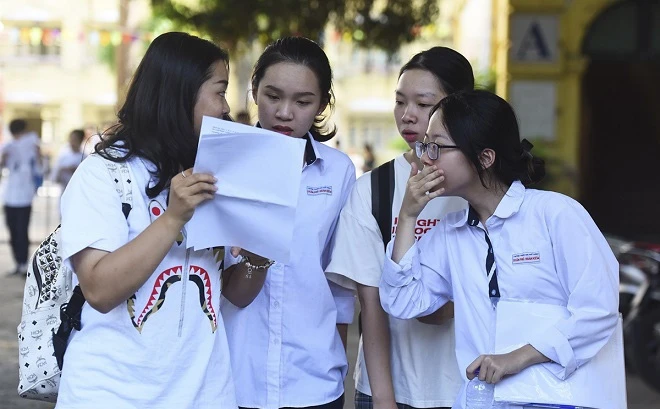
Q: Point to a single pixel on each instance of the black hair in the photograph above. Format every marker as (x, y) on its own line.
(156, 121)
(449, 67)
(478, 120)
(303, 51)
(79, 134)
(17, 126)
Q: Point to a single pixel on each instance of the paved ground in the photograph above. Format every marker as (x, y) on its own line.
(44, 219)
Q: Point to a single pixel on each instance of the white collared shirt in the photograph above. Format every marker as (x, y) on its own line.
(547, 249)
(284, 347)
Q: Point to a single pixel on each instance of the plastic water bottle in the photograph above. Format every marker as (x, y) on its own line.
(479, 394)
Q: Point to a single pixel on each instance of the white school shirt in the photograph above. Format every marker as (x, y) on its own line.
(165, 347)
(547, 249)
(285, 348)
(21, 160)
(423, 361)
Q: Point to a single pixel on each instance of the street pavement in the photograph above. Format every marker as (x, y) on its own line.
(44, 219)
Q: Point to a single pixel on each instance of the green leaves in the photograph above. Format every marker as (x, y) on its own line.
(386, 24)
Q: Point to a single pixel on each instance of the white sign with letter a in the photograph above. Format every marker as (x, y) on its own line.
(534, 38)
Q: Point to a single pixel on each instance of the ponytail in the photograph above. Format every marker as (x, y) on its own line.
(533, 168)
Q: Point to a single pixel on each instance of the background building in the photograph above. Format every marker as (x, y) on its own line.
(58, 61)
(584, 78)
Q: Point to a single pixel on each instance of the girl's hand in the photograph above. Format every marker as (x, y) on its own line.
(187, 191)
(420, 189)
(492, 368)
(254, 258)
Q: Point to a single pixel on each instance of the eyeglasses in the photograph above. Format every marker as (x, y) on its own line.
(431, 148)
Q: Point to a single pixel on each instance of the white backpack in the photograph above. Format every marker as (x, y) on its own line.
(52, 307)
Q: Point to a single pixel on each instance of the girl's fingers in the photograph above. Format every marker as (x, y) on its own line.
(235, 251)
(187, 178)
(473, 367)
(431, 183)
(436, 193)
(201, 187)
(413, 169)
(432, 175)
(201, 178)
(491, 374)
(196, 200)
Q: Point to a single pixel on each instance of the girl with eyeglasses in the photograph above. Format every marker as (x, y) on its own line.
(511, 243)
(286, 349)
(405, 363)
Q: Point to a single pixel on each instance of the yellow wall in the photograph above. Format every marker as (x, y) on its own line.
(574, 20)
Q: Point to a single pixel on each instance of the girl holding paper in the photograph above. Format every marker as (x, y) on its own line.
(285, 348)
(401, 362)
(512, 243)
(145, 338)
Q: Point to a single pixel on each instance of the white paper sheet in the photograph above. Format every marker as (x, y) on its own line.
(258, 174)
(599, 384)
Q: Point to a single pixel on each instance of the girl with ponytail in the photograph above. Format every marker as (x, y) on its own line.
(511, 243)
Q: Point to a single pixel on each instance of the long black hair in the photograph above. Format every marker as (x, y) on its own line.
(156, 120)
(448, 66)
(478, 120)
(303, 51)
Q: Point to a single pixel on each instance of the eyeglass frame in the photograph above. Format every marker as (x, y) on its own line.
(421, 147)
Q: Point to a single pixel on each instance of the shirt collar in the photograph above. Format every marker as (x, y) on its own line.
(508, 206)
(311, 150)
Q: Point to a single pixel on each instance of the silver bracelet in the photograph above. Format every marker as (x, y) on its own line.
(251, 267)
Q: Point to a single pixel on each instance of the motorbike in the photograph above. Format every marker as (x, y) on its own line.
(639, 303)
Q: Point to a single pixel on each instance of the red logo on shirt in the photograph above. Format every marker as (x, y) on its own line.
(421, 228)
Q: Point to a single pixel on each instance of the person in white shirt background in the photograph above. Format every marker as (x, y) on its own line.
(286, 349)
(22, 158)
(401, 362)
(473, 150)
(69, 158)
(151, 330)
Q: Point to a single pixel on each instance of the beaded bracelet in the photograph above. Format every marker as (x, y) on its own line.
(251, 267)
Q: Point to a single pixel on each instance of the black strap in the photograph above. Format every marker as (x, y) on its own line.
(71, 312)
(70, 316)
(126, 209)
(382, 197)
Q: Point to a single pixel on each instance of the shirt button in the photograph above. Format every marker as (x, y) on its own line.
(276, 304)
(276, 340)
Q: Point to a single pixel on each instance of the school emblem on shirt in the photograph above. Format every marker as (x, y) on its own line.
(527, 257)
(319, 190)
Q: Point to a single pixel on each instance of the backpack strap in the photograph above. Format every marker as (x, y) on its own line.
(382, 197)
(70, 312)
(70, 319)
